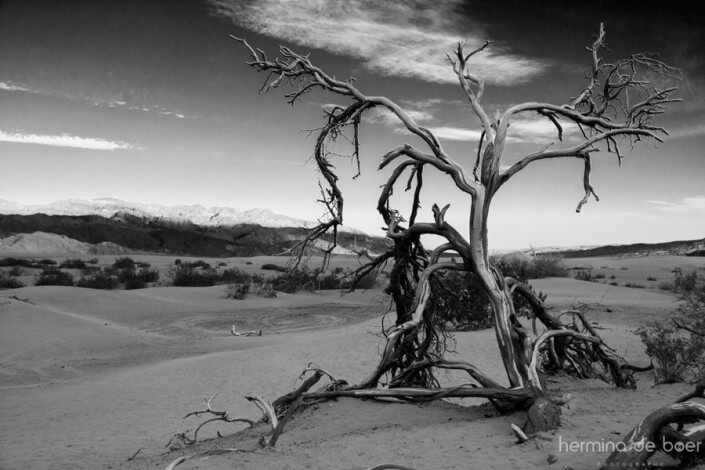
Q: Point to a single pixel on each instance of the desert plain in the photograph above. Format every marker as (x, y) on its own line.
(89, 377)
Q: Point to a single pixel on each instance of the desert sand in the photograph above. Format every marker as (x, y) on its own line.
(88, 377)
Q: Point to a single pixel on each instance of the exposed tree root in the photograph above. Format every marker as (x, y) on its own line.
(655, 433)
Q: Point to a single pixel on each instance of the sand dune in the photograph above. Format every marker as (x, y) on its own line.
(50, 243)
(88, 377)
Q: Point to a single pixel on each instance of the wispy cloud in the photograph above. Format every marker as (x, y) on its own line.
(686, 205)
(403, 39)
(119, 104)
(455, 133)
(144, 108)
(538, 129)
(386, 117)
(62, 140)
(521, 130)
(11, 86)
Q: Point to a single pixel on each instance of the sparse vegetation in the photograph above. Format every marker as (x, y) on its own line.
(124, 263)
(16, 271)
(54, 277)
(12, 262)
(9, 282)
(186, 275)
(75, 263)
(678, 346)
(238, 291)
(534, 267)
(99, 280)
(634, 285)
(667, 285)
(584, 275)
(273, 267)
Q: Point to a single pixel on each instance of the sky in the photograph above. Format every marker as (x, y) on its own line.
(151, 101)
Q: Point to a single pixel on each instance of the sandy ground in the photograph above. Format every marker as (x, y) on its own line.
(88, 377)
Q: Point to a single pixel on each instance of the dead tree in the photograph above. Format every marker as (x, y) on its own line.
(617, 107)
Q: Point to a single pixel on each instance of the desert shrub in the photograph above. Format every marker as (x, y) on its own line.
(248, 263)
(16, 271)
(667, 285)
(124, 274)
(11, 262)
(135, 282)
(148, 275)
(89, 270)
(238, 291)
(198, 264)
(48, 262)
(222, 263)
(651, 278)
(459, 301)
(584, 275)
(274, 267)
(134, 279)
(633, 285)
(75, 263)
(685, 283)
(330, 281)
(9, 282)
(678, 355)
(614, 283)
(678, 346)
(536, 267)
(369, 281)
(124, 263)
(99, 280)
(264, 289)
(599, 276)
(624, 268)
(295, 280)
(613, 277)
(184, 275)
(547, 265)
(54, 277)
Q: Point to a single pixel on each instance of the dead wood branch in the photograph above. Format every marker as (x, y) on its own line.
(234, 332)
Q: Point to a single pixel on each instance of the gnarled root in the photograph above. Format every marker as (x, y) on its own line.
(656, 434)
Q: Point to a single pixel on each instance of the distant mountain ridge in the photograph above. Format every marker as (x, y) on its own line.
(678, 247)
(195, 214)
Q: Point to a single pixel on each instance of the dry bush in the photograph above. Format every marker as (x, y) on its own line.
(9, 282)
(678, 346)
(54, 277)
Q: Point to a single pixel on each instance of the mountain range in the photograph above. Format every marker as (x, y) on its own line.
(195, 214)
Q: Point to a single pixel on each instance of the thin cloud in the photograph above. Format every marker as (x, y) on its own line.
(521, 130)
(11, 86)
(144, 108)
(390, 38)
(455, 133)
(388, 118)
(62, 140)
(686, 205)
